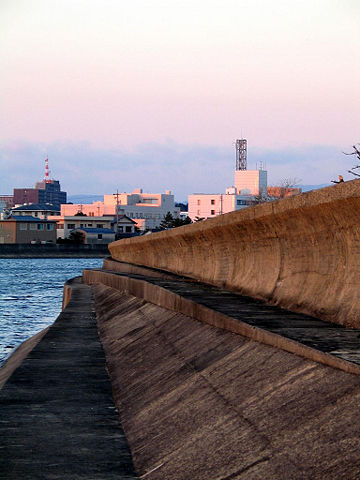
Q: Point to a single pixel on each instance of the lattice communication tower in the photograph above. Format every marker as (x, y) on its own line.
(241, 154)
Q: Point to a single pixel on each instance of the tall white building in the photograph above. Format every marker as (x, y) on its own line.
(251, 182)
(248, 185)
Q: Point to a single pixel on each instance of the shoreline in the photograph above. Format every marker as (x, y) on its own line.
(22, 250)
(61, 255)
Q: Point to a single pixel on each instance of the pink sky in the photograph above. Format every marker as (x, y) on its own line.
(119, 74)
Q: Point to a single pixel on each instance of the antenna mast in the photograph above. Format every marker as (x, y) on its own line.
(47, 177)
(241, 154)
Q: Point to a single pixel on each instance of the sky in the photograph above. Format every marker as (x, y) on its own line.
(153, 94)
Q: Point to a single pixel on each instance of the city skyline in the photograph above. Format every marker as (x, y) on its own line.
(154, 94)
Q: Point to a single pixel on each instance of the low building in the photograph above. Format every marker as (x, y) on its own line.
(124, 225)
(146, 209)
(8, 200)
(209, 205)
(96, 236)
(27, 229)
(282, 192)
(66, 224)
(39, 210)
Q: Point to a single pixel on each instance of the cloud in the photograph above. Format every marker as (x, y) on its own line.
(156, 167)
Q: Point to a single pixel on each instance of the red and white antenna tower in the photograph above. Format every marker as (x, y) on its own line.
(47, 176)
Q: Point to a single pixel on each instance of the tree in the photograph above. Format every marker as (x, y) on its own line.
(285, 188)
(287, 184)
(76, 237)
(171, 222)
(260, 198)
(179, 222)
(167, 222)
(356, 152)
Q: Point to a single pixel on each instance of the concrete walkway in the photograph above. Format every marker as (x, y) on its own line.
(57, 416)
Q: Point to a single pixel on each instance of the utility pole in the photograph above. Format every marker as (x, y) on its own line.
(117, 211)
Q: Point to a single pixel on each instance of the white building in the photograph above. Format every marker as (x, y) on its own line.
(39, 210)
(251, 182)
(248, 185)
(208, 205)
(96, 236)
(65, 224)
(146, 209)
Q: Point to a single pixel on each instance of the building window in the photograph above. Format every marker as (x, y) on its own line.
(90, 224)
(40, 226)
(49, 226)
(128, 229)
(35, 214)
(198, 213)
(71, 226)
(99, 236)
(33, 226)
(120, 228)
(99, 225)
(23, 226)
(212, 201)
(198, 202)
(60, 226)
(212, 212)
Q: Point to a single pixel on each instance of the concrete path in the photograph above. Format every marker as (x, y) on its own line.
(57, 416)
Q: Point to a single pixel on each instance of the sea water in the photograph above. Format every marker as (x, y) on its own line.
(31, 295)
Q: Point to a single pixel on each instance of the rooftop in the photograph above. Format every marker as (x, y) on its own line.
(27, 218)
(36, 206)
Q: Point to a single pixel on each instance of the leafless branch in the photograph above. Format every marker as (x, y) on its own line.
(356, 174)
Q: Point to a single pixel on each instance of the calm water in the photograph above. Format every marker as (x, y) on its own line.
(31, 295)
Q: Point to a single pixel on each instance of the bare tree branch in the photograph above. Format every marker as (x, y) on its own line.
(356, 174)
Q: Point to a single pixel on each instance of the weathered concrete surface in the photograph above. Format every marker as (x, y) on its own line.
(57, 416)
(302, 253)
(18, 356)
(330, 344)
(197, 402)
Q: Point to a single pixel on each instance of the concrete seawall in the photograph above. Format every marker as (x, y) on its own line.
(57, 416)
(301, 253)
(174, 300)
(195, 401)
(198, 402)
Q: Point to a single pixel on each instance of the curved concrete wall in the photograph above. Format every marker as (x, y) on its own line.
(302, 253)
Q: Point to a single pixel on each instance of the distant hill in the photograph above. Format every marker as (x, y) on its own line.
(83, 199)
